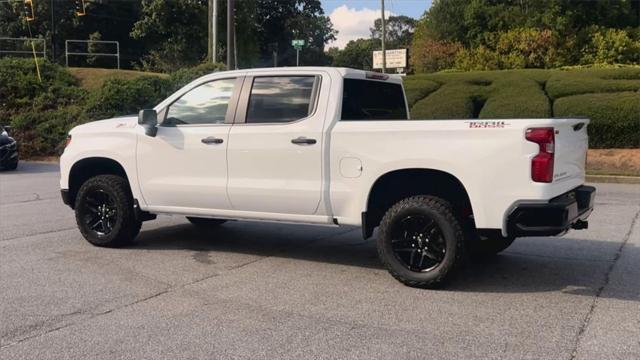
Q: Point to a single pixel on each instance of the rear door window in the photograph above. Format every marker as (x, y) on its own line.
(373, 100)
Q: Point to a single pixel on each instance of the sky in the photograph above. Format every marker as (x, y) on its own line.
(353, 18)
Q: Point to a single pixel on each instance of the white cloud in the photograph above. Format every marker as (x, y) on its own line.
(352, 23)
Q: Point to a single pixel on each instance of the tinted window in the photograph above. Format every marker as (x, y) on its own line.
(205, 104)
(280, 99)
(372, 100)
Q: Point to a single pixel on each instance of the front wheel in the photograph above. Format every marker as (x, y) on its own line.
(421, 241)
(104, 211)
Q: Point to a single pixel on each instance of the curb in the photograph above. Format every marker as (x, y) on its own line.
(613, 179)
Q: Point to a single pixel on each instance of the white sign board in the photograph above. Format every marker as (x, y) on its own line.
(396, 58)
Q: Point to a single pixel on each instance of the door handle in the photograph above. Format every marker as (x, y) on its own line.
(303, 141)
(212, 140)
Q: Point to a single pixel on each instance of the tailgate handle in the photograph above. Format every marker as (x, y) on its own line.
(578, 126)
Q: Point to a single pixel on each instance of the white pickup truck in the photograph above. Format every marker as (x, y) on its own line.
(329, 146)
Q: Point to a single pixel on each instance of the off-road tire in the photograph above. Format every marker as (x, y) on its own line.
(450, 226)
(205, 223)
(125, 227)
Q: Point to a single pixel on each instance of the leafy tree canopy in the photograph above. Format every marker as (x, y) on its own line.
(399, 31)
(166, 35)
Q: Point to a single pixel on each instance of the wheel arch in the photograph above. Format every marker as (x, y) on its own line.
(398, 184)
(88, 167)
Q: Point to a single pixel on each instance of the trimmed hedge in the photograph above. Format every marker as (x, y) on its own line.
(615, 117)
(568, 83)
(513, 96)
(450, 101)
(610, 100)
(417, 89)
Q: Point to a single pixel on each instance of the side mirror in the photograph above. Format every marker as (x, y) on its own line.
(148, 118)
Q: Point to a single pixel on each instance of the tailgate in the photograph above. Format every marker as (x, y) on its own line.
(571, 144)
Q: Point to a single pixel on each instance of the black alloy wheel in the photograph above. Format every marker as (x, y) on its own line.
(105, 211)
(418, 243)
(100, 212)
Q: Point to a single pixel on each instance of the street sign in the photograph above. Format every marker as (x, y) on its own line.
(297, 44)
(396, 58)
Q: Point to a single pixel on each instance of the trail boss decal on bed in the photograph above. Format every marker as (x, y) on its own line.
(487, 124)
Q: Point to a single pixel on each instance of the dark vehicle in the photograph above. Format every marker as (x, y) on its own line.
(8, 150)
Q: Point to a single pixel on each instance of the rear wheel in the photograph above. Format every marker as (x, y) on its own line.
(104, 211)
(205, 223)
(421, 241)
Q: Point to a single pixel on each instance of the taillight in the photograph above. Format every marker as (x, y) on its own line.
(542, 164)
(68, 141)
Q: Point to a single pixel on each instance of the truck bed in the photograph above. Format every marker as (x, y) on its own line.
(491, 157)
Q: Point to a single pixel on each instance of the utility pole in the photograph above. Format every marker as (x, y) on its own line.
(384, 35)
(230, 35)
(53, 33)
(213, 30)
(214, 50)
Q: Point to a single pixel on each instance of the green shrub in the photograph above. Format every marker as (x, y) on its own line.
(610, 46)
(514, 49)
(42, 133)
(417, 89)
(567, 83)
(503, 94)
(615, 117)
(121, 97)
(184, 76)
(516, 97)
(456, 100)
(19, 85)
(528, 48)
(432, 55)
(480, 58)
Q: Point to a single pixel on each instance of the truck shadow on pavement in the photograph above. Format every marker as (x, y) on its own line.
(546, 264)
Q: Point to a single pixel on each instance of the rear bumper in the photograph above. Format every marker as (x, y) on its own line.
(569, 210)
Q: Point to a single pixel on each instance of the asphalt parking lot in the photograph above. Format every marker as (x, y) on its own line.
(267, 291)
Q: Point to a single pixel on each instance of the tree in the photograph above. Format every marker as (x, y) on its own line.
(279, 22)
(112, 19)
(399, 31)
(466, 21)
(524, 33)
(358, 54)
(175, 31)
